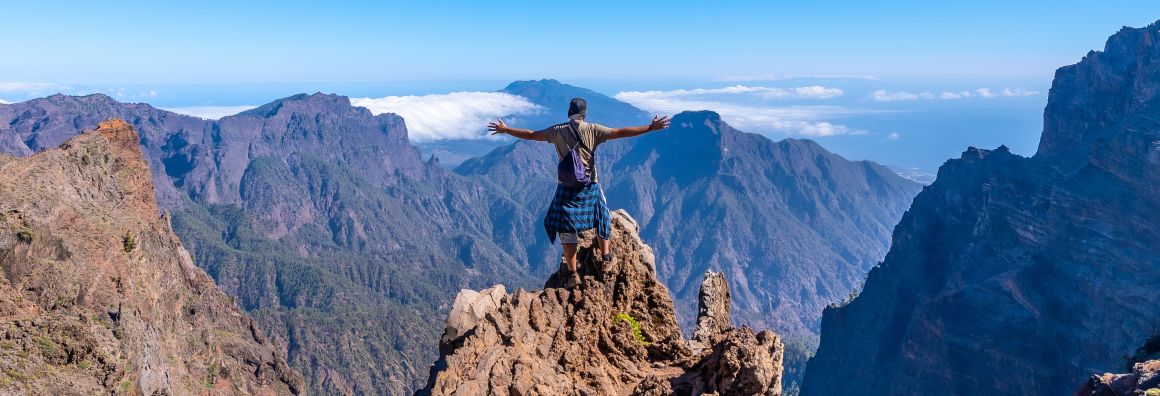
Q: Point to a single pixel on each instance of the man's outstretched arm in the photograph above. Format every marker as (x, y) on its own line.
(657, 124)
(499, 127)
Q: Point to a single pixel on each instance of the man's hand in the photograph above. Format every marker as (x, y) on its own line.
(659, 123)
(498, 127)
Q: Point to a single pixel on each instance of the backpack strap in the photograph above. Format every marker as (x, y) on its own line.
(579, 141)
(576, 134)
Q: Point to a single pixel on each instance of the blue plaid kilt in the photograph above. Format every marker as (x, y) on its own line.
(576, 209)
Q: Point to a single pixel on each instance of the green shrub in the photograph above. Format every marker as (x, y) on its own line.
(14, 374)
(128, 242)
(1152, 392)
(632, 322)
(48, 347)
(25, 235)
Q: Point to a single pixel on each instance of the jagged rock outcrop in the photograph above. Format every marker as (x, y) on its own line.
(1144, 380)
(713, 314)
(616, 333)
(471, 307)
(1021, 276)
(98, 296)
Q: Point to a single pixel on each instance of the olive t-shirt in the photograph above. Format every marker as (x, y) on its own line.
(592, 135)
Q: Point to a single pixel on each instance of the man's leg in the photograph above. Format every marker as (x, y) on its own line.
(570, 242)
(570, 256)
(605, 252)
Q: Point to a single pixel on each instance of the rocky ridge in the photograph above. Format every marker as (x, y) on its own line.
(616, 333)
(1048, 267)
(1143, 380)
(97, 294)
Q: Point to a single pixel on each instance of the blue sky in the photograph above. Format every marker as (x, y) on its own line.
(253, 42)
(901, 82)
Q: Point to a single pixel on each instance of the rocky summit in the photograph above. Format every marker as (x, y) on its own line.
(97, 294)
(616, 333)
(1021, 276)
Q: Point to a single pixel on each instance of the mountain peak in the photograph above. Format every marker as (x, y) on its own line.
(1110, 98)
(705, 126)
(697, 116)
(120, 132)
(95, 99)
(317, 102)
(554, 97)
(541, 83)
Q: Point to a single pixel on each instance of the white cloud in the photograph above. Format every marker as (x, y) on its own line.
(209, 112)
(883, 96)
(954, 95)
(2, 101)
(984, 93)
(893, 136)
(779, 77)
(749, 108)
(1017, 92)
(457, 115)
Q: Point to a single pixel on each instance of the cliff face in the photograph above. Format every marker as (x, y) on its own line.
(616, 333)
(99, 296)
(1047, 268)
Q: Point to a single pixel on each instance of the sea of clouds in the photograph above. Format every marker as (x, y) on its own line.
(456, 115)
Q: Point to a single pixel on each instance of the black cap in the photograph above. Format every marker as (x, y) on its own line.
(577, 109)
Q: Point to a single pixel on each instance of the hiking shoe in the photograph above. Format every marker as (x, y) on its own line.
(607, 258)
(573, 281)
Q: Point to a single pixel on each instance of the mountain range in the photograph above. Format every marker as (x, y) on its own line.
(343, 243)
(1011, 275)
(320, 218)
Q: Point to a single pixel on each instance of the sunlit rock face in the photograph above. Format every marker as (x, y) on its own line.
(1012, 275)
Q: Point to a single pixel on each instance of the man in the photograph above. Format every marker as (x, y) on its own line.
(580, 208)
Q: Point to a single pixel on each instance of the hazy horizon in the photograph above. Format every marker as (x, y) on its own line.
(907, 124)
